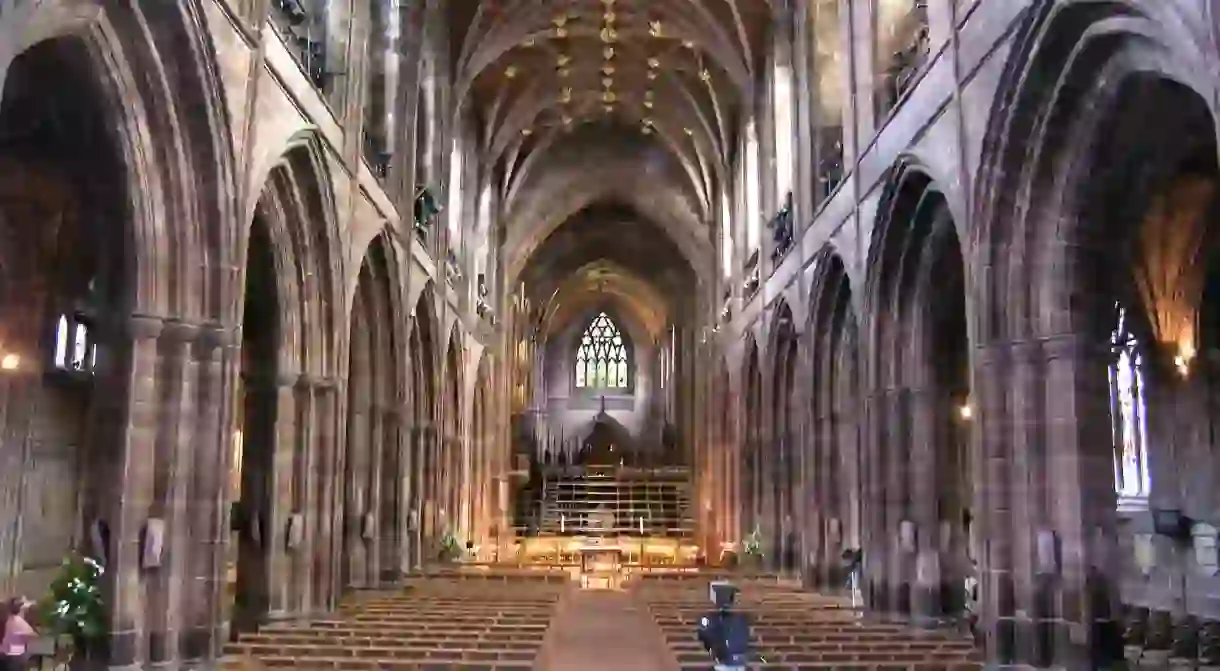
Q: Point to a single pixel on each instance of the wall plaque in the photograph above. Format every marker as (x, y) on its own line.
(907, 536)
(152, 543)
(1207, 555)
(296, 531)
(368, 527)
(1047, 556)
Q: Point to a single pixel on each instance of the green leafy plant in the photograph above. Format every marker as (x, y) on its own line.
(73, 608)
(451, 548)
(752, 545)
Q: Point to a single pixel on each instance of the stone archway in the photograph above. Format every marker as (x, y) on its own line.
(376, 469)
(113, 286)
(425, 437)
(454, 476)
(919, 389)
(482, 446)
(833, 472)
(779, 488)
(1106, 172)
(723, 467)
(289, 462)
(750, 486)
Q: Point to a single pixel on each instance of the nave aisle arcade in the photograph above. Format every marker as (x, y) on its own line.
(304, 301)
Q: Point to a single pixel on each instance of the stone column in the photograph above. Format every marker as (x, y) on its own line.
(330, 434)
(925, 485)
(1086, 631)
(168, 502)
(217, 356)
(133, 383)
(305, 480)
(392, 506)
(272, 561)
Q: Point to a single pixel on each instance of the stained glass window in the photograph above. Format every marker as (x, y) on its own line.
(1128, 414)
(601, 359)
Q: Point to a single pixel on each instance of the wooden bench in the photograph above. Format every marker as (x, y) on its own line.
(793, 629)
(433, 623)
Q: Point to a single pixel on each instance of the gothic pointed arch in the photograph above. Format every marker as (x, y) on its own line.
(1102, 134)
(833, 473)
(780, 460)
(374, 467)
(918, 378)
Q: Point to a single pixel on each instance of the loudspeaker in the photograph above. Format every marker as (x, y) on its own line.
(1171, 523)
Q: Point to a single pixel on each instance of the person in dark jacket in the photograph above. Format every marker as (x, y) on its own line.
(725, 633)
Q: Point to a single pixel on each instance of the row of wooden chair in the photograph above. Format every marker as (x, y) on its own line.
(441, 622)
(793, 629)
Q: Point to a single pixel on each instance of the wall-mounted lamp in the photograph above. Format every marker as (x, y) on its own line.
(10, 362)
(966, 411)
(1186, 354)
(1182, 364)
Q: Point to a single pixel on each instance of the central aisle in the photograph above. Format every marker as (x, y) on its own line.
(598, 630)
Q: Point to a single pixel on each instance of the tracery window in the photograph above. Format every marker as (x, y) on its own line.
(601, 359)
(1128, 413)
(75, 351)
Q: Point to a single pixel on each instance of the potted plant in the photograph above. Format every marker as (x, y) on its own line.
(752, 547)
(73, 610)
(451, 548)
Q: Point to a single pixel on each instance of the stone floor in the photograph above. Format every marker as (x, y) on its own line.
(604, 630)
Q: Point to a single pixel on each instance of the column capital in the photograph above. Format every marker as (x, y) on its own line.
(144, 327)
(316, 382)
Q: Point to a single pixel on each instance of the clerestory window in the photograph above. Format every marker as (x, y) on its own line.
(602, 361)
(1128, 413)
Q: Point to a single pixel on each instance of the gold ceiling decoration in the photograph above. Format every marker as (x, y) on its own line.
(607, 82)
(565, 96)
(527, 131)
(563, 60)
(609, 35)
(608, 53)
(654, 63)
(510, 71)
(608, 69)
(656, 29)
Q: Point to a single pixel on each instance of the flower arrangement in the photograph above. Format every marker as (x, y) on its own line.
(451, 548)
(73, 608)
(752, 545)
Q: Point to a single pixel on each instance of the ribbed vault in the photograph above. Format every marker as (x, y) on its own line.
(616, 84)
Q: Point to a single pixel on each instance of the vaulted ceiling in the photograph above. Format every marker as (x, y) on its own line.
(580, 103)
